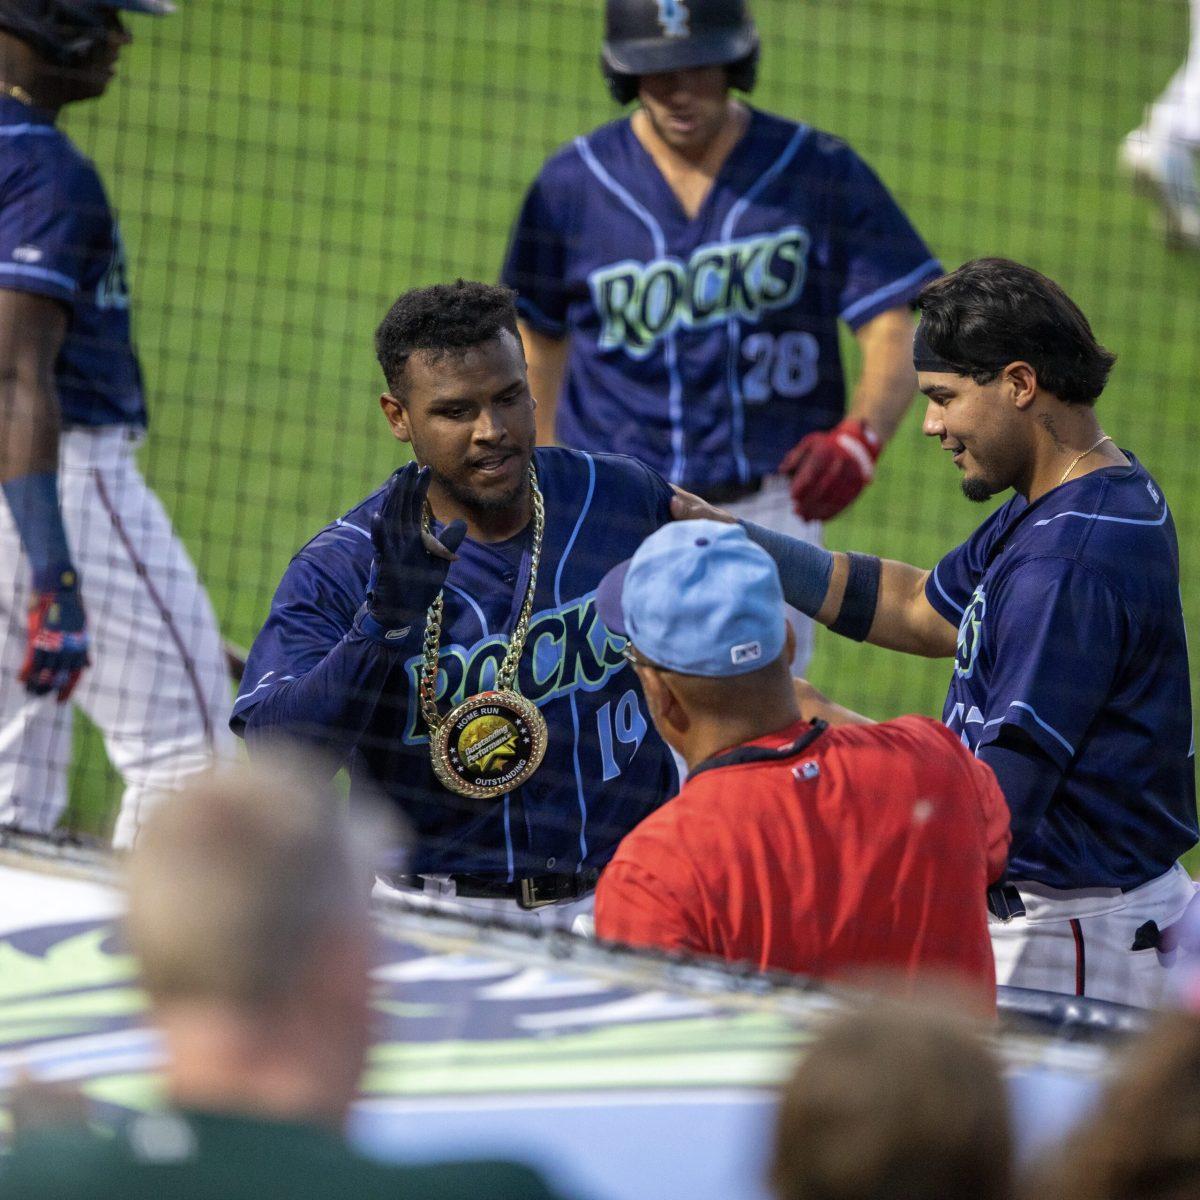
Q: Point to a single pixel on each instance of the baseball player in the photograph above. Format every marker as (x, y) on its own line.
(681, 273)
(793, 845)
(1160, 155)
(1063, 616)
(99, 602)
(441, 638)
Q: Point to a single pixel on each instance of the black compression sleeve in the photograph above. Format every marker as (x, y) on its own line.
(861, 597)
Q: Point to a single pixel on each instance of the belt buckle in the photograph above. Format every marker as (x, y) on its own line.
(527, 897)
(1005, 902)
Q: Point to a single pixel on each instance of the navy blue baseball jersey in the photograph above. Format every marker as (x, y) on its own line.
(317, 660)
(1070, 628)
(59, 238)
(709, 346)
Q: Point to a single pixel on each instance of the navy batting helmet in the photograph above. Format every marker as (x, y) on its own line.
(647, 37)
(65, 32)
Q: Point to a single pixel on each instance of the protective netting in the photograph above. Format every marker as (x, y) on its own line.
(283, 171)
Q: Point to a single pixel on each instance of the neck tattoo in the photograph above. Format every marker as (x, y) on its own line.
(1080, 457)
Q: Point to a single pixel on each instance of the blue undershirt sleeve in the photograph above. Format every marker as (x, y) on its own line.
(33, 500)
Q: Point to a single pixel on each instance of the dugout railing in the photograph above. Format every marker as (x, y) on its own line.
(1032, 1024)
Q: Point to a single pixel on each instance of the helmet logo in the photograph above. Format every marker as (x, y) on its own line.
(673, 17)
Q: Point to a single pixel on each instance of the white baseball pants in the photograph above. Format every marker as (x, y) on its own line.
(1080, 942)
(158, 688)
(771, 507)
(1175, 115)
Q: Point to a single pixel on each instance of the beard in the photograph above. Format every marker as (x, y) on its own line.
(482, 502)
(978, 491)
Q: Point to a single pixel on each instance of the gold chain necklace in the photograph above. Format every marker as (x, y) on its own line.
(17, 92)
(1080, 457)
(494, 741)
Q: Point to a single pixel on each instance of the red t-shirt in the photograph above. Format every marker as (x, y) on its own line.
(870, 849)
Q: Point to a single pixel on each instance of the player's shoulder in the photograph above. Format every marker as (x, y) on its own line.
(565, 166)
(1101, 524)
(917, 734)
(934, 755)
(346, 539)
(42, 156)
(773, 134)
(602, 471)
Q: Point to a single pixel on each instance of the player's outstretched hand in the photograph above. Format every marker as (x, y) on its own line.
(830, 468)
(687, 507)
(410, 565)
(56, 646)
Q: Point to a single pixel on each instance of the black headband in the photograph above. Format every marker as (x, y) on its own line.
(927, 359)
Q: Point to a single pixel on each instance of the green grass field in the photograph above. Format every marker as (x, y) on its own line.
(283, 174)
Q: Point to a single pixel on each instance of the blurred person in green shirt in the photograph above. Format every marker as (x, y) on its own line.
(248, 915)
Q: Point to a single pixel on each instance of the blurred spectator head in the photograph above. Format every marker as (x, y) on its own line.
(249, 917)
(1143, 1141)
(894, 1104)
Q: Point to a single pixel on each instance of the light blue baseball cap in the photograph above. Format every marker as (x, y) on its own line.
(698, 597)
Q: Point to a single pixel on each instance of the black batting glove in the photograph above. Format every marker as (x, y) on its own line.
(410, 566)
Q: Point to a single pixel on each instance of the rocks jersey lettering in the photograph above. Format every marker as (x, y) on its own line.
(709, 346)
(605, 766)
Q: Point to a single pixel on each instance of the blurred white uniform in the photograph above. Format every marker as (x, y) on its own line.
(1161, 153)
(158, 688)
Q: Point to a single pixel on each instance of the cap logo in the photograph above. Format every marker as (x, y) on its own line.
(746, 652)
(673, 17)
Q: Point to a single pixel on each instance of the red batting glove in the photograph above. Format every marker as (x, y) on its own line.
(56, 649)
(830, 468)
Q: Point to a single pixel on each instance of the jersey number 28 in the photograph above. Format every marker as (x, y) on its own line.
(783, 364)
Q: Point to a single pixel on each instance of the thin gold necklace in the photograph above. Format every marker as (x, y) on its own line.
(17, 92)
(1080, 457)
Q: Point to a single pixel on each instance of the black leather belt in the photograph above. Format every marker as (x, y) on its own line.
(1004, 902)
(535, 891)
(730, 493)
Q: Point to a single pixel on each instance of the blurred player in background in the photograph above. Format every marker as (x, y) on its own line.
(681, 273)
(833, 852)
(249, 920)
(1161, 153)
(99, 602)
(1062, 613)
